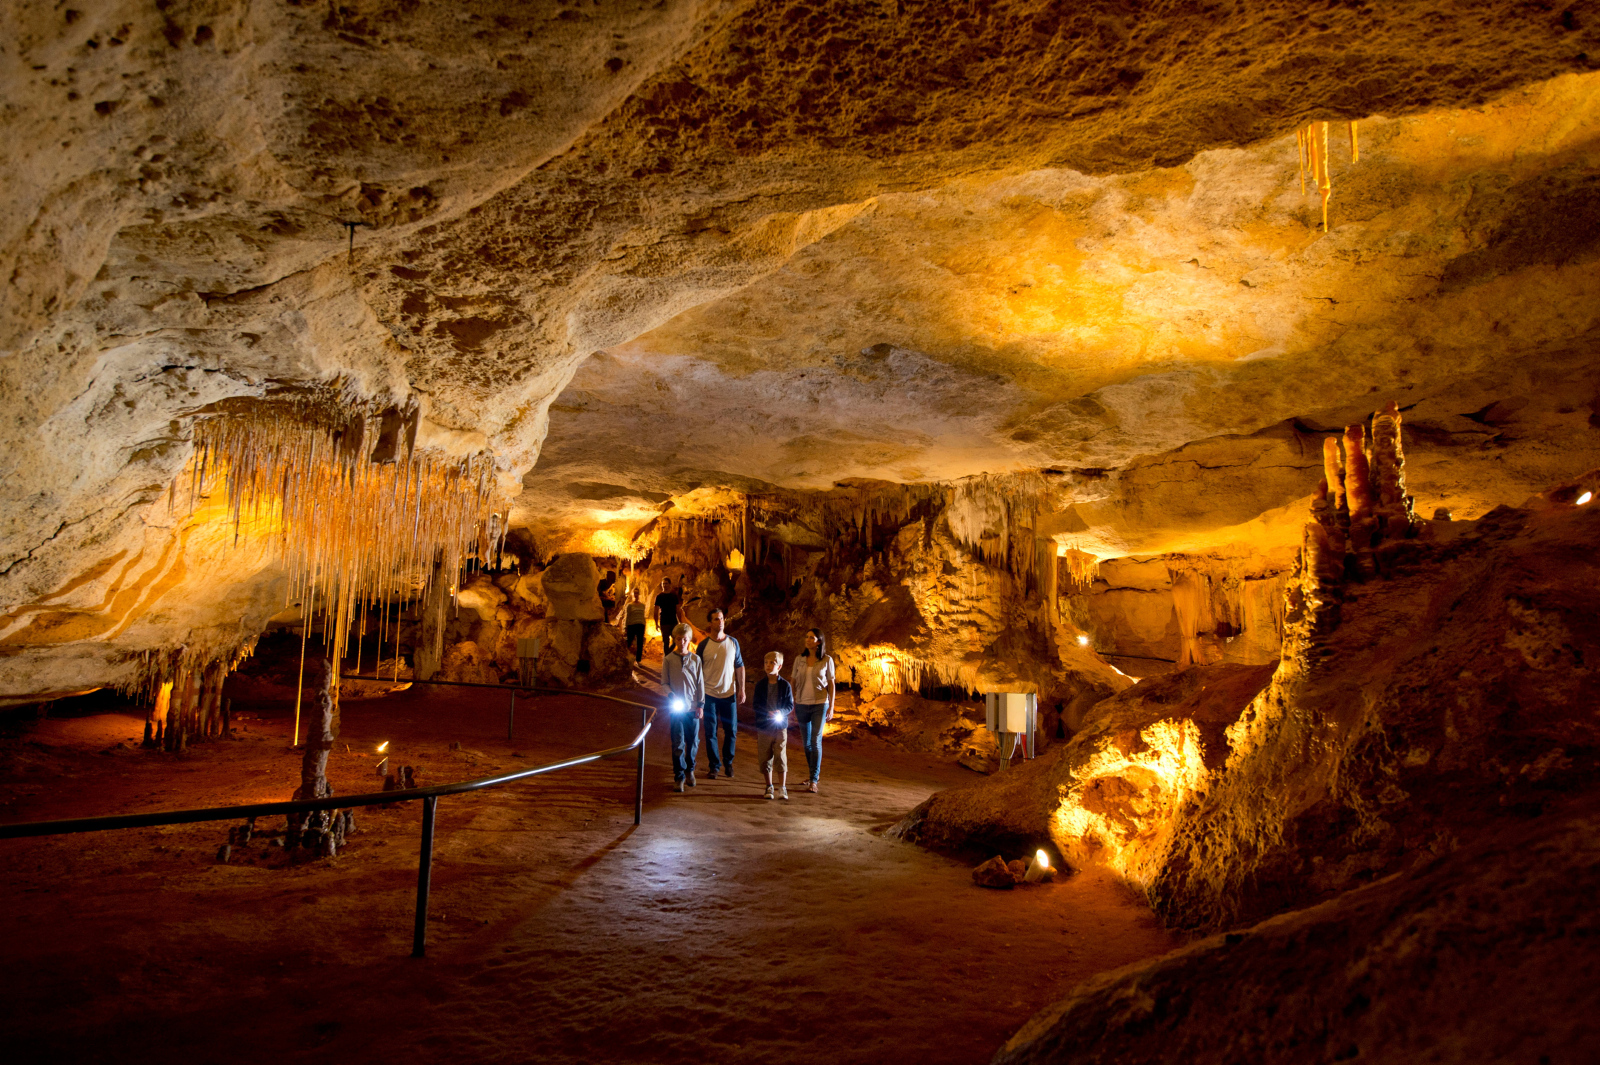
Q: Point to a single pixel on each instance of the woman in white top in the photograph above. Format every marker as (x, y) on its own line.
(813, 681)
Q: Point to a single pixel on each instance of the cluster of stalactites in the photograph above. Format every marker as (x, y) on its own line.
(1360, 505)
(358, 513)
(717, 531)
(1313, 145)
(1013, 545)
(1078, 568)
(892, 670)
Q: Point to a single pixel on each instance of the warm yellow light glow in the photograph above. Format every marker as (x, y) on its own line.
(1152, 780)
(1585, 498)
(609, 543)
(1083, 641)
(384, 746)
(736, 560)
(1042, 858)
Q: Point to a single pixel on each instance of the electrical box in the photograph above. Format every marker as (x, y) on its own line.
(1010, 711)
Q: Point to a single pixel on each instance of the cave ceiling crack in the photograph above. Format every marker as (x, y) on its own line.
(28, 555)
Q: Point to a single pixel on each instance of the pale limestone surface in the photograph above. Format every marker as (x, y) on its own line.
(538, 182)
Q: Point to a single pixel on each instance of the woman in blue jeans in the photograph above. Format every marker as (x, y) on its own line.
(813, 681)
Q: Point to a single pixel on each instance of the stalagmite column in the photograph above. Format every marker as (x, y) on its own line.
(430, 637)
(178, 711)
(156, 722)
(322, 730)
(1333, 471)
(1394, 507)
(1359, 499)
(1357, 480)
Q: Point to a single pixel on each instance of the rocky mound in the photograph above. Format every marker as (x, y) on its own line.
(1110, 795)
(1486, 954)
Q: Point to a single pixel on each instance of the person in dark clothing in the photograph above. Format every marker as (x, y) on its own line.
(771, 704)
(633, 625)
(608, 599)
(666, 611)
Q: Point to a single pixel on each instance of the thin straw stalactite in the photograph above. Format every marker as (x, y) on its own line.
(1311, 143)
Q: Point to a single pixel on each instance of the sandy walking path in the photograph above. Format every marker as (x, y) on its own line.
(725, 927)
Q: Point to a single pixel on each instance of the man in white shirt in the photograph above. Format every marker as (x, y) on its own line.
(723, 668)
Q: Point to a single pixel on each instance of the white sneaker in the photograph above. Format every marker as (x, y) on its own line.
(769, 791)
(784, 794)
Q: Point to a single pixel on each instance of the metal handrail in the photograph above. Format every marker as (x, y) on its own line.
(429, 796)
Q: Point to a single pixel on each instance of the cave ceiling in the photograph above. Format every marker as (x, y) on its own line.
(639, 249)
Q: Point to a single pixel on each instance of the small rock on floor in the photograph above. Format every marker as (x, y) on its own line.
(994, 873)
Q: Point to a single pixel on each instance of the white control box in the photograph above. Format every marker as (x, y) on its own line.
(1010, 711)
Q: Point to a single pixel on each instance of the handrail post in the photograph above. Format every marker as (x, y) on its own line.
(419, 936)
(638, 796)
(511, 718)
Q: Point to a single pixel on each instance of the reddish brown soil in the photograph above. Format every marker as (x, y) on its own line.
(726, 927)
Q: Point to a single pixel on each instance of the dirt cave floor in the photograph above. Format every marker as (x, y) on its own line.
(726, 927)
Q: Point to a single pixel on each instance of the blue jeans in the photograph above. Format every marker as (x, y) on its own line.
(724, 714)
(810, 718)
(685, 732)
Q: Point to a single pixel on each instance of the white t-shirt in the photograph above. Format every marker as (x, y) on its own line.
(811, 679)
(721, 658)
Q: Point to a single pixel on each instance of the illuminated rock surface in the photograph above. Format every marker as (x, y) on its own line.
(999, 340)
(1060, 238)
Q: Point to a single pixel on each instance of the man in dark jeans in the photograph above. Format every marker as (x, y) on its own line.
(666, 610)
(722, 667)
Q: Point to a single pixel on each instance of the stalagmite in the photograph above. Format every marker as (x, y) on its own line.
(430, 639)
(1333, 471)
(323, 726)
(1357, 482)
(1393, 507)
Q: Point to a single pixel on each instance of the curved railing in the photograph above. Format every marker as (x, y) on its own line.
(429, 797)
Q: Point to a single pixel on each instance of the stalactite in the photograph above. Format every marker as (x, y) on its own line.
(1081, 566)
(1191, 601)
(1312, 145)
(305, 471)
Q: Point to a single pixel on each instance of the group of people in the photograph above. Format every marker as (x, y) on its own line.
(632, 616)
(708, 684)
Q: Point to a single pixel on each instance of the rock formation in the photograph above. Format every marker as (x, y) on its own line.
(1007, 342)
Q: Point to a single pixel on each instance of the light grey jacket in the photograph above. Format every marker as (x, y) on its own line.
(683, 676)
